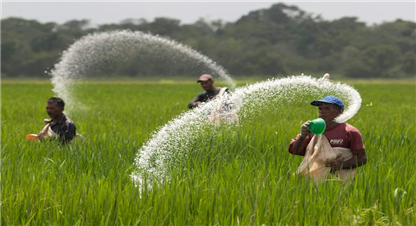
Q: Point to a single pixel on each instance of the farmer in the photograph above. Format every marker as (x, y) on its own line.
(58, 125)
(342, 139)
(210, 92)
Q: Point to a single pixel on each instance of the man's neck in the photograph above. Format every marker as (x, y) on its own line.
(57, 119)
(331, 125)
(212, 89)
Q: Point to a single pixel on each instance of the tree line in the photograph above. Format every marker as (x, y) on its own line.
(279, 41)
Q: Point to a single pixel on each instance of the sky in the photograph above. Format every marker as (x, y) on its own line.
(105, 12)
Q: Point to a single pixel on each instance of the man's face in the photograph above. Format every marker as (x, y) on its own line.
(328, 112)
(53, 110)
(207, 85)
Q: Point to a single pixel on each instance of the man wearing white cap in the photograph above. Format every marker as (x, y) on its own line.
(210, 92)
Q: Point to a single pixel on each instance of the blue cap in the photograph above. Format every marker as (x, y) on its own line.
(329, 100)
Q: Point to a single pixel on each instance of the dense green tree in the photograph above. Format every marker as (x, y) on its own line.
(164, 26)
(276, 41)
(409, 63)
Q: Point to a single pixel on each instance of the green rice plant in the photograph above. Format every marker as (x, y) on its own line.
(231, 175)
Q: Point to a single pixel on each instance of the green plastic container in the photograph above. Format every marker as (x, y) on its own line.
(317, 126)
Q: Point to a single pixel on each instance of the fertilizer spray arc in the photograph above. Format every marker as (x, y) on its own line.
(161, 150)
(94, 53)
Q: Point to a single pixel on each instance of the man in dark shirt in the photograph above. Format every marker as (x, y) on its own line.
(59, 125)
(210, 92)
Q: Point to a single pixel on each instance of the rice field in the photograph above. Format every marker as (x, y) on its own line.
(234, 175)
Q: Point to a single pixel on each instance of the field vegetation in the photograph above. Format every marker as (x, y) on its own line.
(243, 175)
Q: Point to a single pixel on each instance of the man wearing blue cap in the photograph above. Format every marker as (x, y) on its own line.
(339, 135)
